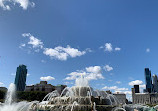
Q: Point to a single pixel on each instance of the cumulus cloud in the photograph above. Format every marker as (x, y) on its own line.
(117, 49)
(5, 4)
(22, 45)
(148, 50)
(142, 86)
(136, 82)
(35, 42)
(93, 69)
(91, 73)
(1, 84)
(47, 78)
(109, 48)
(59, 52)
(62, 53)
(108, 68)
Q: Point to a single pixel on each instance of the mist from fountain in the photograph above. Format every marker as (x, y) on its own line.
(81, 82)
(10, 97)
(10, 103)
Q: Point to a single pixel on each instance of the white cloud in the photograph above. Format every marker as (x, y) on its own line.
(122, 89)
(62, 53)
(108, 47)
(55, 54)
(91, 73)
(110, 88)
(88, 50)
(108, 68)
(72, 51)
(36, 43)
(26, 35)
(101, 47)
(5, 4)
(115, 88)
(142, 86)
(25, 3)
(93, 69)
(74, 75)
(59, 52)
(118, 82)
(148, 50)
(136, 82)
(68, 83)
(1, 84)
(124, 92)
(117, 49)
(22, 45)
(48, 78)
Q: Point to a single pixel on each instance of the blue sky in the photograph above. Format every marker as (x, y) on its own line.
(108, 41)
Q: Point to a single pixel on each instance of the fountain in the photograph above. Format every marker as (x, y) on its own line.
(80, 97)
(10, 103)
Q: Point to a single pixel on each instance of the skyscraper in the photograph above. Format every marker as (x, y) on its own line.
(20, 79)
(148, 80)
(136, 87)
(155, 83)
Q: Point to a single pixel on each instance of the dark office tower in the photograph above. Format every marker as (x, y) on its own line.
(136, 87)
(20, 79)
(155, 83)
(148, 80)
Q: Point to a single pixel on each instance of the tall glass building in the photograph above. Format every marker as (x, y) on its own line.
(20, 79)
(155, 83)
(148, 80)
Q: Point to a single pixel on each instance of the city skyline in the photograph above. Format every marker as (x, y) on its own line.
(109, 42)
